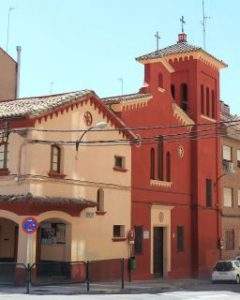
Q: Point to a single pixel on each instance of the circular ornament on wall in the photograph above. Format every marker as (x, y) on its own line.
(88, 119)
(161, 217)
(180, 151)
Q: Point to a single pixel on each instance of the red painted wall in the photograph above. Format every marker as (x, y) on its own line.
(200, 161)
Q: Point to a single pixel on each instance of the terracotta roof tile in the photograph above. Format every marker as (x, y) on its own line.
(32, 106)
(173, 49)
(127, 97)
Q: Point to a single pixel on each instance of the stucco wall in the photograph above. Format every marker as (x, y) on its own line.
(91, 234)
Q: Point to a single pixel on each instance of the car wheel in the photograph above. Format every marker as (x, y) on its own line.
(237, 279)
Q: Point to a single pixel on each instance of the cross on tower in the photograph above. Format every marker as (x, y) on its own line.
(157, 36)
(182, 22)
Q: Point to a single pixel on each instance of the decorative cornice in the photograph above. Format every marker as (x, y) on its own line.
(181, 115)
(165, 184)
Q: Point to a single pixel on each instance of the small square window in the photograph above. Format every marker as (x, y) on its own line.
(118, 231)
(119, 162)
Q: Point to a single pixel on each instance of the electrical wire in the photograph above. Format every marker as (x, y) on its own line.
(128, 128)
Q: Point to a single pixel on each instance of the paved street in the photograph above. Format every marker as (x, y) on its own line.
(184, 295)
(155, 289)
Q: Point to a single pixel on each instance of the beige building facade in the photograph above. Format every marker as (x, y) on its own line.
(80, 199)
(230, 182)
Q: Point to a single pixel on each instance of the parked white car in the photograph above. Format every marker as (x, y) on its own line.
(226, 270)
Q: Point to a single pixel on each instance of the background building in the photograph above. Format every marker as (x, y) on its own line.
(230, 182)
(9, 75)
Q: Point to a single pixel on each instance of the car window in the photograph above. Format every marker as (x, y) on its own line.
(223, 266)
(237, 263)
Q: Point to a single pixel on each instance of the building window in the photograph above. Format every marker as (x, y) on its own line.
(168, 167)
(160, 158)
(238, 158)
(173, 91)
(119, 162)
(138, 243)
(160, 80)
(53, 233)
(208, 193)
(100, 200)
(152, 164)
(202, 100)
(184, 96)
(213, 104)
(227, 197)
(229, 239)
(227, 153)
(118, 231)
(147, 73)
(3, 156)
(55, 159)
(180, 238)
(207, 102)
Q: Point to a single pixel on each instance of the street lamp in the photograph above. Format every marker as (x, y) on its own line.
(99, 125)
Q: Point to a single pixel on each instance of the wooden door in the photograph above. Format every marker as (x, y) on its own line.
(158, 251)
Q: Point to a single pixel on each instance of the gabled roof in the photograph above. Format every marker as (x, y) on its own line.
(178, 48)
(127, 97)
(33, 106)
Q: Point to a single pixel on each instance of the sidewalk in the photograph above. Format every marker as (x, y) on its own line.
(135, 287)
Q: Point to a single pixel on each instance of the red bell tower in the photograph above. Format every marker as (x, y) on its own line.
(195, 82)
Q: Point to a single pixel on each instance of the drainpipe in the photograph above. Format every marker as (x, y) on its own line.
(19, 49)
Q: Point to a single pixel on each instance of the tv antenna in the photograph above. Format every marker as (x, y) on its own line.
(158, 37)
(8, 26)
(204, 24)
(121, 81)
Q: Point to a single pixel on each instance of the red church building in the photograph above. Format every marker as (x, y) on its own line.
(175, 162)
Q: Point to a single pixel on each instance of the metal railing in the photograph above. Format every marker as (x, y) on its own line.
(90, 275)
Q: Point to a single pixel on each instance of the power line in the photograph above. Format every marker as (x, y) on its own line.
(129, 128)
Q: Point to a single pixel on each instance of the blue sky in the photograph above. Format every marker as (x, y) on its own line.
(78, 44)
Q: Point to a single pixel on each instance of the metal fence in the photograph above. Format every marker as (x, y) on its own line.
(97, 276)
(13, 274)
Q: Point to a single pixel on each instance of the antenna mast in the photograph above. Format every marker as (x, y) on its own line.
(8, 26)
(204, 23)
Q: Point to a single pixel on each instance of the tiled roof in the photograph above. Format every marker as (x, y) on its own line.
(46, 200)
(32, 106)
(173, 49)
(127, 97)
(178, 48)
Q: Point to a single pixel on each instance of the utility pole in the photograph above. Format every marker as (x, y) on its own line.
(204, 24)
(8, 26)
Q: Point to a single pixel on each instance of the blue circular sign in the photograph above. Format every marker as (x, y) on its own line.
(30, 225)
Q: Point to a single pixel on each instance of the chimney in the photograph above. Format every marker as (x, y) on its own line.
(182, 38)
(19, 49)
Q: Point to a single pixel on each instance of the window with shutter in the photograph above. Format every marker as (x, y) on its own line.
(3, 156)
(138, 243)
(208, 192)
(227, 153)
(238, 158)
(180, 238)
(229, 239)
(227, 197)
